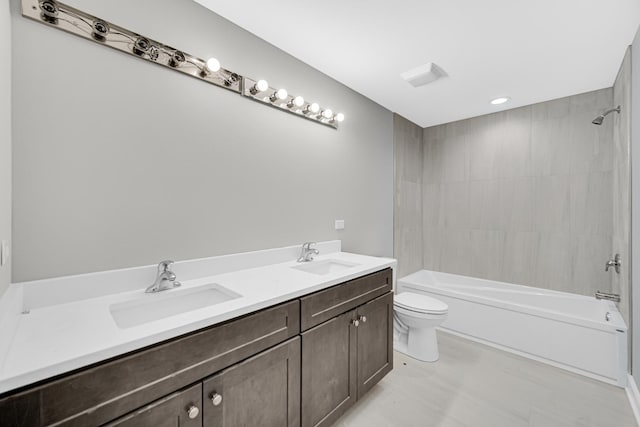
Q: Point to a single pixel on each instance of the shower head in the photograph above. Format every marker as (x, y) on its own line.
(598, 120)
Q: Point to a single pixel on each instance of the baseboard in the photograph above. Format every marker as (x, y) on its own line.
(634, 398)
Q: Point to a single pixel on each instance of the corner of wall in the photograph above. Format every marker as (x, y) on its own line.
(5, 139)
(407, 195)
(635, 206)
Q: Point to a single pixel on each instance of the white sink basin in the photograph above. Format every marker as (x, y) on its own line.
(327, 266)
(150, 307)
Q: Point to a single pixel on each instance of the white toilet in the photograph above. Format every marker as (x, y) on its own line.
(415, 318)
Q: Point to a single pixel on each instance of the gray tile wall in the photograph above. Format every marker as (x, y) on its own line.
(522, 196)
(622, 182)
(407, 212)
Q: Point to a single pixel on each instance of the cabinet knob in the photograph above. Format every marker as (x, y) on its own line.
(355, 322)
(363, 319)
(216, 399)
(193, 411)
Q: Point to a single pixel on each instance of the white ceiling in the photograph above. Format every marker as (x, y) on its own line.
(531, 51)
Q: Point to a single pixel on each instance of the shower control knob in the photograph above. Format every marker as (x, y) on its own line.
(193, 412)
(216, 399)
(355, 322)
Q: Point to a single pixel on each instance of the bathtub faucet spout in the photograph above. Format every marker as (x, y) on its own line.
(608, 296)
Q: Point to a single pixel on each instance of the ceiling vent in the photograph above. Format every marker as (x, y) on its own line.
(424, 74)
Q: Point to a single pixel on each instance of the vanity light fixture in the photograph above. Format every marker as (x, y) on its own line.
(280, 94)
(58, 15)
(501, 100)
(282, 100)
(259, 86)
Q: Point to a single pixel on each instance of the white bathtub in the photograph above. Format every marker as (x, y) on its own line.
(565, 330)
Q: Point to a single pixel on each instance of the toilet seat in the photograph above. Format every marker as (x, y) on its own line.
(419, 303)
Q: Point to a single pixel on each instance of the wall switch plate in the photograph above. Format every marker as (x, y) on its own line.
(4, 252)
(339, 224)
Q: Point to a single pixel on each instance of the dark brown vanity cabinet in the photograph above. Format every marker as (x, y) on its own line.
(346, 355)
(254, 370)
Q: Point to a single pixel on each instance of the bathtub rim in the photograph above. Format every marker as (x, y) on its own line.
(616, 324)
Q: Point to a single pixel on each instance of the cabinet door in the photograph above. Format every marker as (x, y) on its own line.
(328, 370)
(375, 342)
(180, 409)
(261, 391)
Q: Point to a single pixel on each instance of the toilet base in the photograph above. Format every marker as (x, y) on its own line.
(422, 344)
(418, 344)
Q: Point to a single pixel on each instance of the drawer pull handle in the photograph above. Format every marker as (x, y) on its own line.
(355, 322)
(216, 399)
(363, 319)
(193, 412)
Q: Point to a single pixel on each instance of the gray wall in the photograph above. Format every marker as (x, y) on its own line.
(622, 183)
(407, 218)
(119, 162)
(522, 196)
(5, 137)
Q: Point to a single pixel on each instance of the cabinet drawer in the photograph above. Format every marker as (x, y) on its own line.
(109, 390)
(322, 306)
(170, 411)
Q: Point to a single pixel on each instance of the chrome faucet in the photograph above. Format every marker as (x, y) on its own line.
(607, 296)
(166, 278)
(616, 262)
(308, 252)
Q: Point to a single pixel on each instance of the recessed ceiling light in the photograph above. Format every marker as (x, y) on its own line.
(500, 100)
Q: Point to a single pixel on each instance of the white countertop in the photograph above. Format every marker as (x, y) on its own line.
(60, 334)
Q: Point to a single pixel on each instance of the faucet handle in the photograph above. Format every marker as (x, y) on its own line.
(307, 245)
(164, 265)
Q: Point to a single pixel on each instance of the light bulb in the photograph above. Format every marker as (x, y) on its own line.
(213, 65)
(314, 108)
(259, 86)
(298, 101)
(262, 85)
(339, 117)
(280, 94)
(327, 114)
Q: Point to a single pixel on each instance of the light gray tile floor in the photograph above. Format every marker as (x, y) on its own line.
(473, 385)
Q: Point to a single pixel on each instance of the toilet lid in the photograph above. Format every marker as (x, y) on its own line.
(420, 303)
